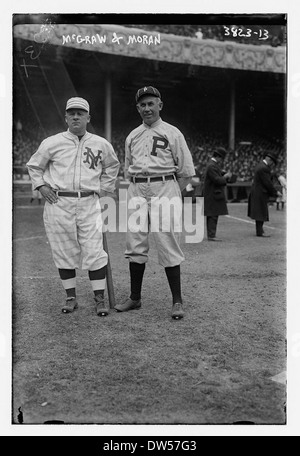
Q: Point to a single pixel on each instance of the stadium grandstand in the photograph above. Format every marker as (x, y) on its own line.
(276, 33)
(221, 84)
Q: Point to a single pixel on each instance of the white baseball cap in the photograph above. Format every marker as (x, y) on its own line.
(79, 103)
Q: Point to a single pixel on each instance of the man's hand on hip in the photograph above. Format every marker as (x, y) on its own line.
(48, 194)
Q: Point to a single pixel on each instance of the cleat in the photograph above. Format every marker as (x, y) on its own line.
(177, 311)
(70, 305)
(101, 308)
(129, 304)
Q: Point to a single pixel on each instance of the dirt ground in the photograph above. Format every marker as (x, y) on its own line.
(216, 366)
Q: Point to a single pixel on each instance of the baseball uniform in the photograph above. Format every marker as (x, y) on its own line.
(158, 164)
(157, 151)
(74, 225)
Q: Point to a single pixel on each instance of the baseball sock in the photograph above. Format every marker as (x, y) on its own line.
(173, 275)
(68, 278)
(136, 279)
(98, 280)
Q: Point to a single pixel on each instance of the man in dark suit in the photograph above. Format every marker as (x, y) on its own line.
(215, 180)
(262, 189)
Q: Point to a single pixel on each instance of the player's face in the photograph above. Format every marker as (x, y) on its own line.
(77, 120)
(149, 109)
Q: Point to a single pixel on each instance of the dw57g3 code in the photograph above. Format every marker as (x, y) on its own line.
(170, 445)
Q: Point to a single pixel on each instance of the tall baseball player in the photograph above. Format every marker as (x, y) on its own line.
(72, 170)
(159, 165)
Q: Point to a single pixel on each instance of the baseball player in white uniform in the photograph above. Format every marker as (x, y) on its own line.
(159, 165)
(72, 170)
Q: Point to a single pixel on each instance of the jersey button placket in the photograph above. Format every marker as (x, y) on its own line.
(148, 146)
(77, 167)
(145, 161)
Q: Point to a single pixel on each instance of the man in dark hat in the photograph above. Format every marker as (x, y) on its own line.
(262, 188)
(215, 181)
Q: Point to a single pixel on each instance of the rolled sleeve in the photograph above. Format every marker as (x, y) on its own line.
(127, 158)
(37, 164)
(110, 170)
(183, 158)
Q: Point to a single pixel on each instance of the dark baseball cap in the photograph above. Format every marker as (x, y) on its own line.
(273, 156)
(148, 90)
(220, 151)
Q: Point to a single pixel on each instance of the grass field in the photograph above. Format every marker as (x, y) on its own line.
(216, 366)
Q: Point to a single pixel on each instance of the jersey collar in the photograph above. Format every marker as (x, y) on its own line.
(72, 136)
(155, 124)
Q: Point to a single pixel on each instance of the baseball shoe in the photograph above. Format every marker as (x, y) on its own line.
(70, 305)
(129, 304)
(177, 311)
(214, 239)
(101, 308)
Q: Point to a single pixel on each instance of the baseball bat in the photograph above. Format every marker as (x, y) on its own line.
(109, 279)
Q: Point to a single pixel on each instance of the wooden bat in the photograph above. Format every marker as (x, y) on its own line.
(109, 279)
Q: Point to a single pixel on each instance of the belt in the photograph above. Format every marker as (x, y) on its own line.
(74, 194)
(152, 179)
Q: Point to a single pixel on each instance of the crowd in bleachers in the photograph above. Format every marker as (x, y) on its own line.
(273, 35)
(23, 148)
(240, 161)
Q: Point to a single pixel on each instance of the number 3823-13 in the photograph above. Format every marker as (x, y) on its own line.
(261, 34)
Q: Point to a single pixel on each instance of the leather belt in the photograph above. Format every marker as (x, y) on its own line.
(79, 194)
(152, 179)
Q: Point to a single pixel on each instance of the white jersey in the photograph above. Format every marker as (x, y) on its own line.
(65, 163)
(156, 150)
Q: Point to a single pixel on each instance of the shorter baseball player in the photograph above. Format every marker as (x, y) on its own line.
(159, 165)
(72, 170)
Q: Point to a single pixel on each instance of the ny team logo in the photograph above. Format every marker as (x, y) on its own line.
(92, 159)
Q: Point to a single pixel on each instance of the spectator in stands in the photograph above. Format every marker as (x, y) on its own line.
(19, 126)
(199, 34)
(35, 195)
(281, 200)
(215, 180)
(262, 188)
